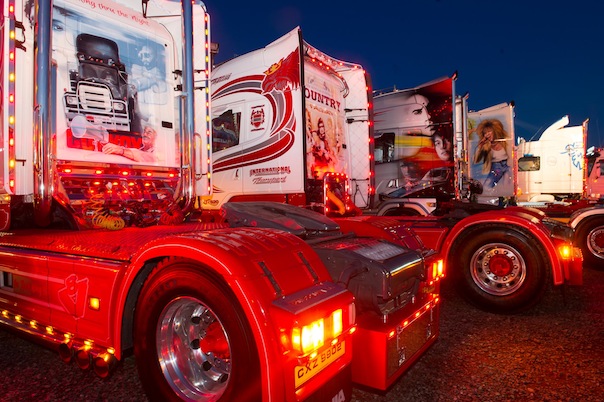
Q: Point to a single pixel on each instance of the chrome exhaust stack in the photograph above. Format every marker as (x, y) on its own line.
(86, 357)
(66, 351)
(104, 364)
(83, 357)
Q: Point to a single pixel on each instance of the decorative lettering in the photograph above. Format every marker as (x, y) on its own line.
(323, 99)
(271, 180)
(220, 79)
(271, 171)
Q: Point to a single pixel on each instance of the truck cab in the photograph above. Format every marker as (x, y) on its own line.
(286, 119)
(469, 215)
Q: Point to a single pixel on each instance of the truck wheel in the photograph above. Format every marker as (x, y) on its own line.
(591, 240)
(501, 270)
(191, 338)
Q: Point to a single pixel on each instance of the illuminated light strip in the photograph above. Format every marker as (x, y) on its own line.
(31, 326)
(370, 123)
(418, 313)
(12, 99)
(208, 166)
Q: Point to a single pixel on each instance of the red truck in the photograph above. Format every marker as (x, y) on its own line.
(104, 252)
(500, 259)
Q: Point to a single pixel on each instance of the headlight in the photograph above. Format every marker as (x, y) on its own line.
(71, 100)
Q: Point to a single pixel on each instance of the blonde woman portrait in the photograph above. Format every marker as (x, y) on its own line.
(492, 151)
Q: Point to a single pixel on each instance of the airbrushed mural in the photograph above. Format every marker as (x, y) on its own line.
(414, 136)
(491, 149)
(113, 101)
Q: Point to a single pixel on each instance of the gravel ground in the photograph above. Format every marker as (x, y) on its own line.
(551, 353)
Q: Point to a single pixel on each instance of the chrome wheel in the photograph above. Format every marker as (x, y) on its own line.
(595, 242)
(194, 350)
(498, 269)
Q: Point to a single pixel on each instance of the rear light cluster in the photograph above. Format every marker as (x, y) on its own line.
(314, 318)
(309, 336)
(312, 336)
(437, 270)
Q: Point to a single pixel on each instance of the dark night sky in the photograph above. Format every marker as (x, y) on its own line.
(546, 56)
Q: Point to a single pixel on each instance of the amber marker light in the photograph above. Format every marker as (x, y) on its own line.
(94, 303)
(565, 251)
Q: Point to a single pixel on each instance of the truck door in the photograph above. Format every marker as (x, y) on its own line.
(24, 286)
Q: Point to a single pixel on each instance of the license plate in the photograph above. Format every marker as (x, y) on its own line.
(314, 366)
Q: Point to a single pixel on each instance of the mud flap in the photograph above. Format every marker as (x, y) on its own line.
(337, 389)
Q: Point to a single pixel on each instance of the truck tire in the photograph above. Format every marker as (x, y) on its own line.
(590, 238)
(500, 270)
(191, 338)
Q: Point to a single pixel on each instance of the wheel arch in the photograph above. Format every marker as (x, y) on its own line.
(585, 220)
(529, 228)
(181, 281)
(232, 272)
(223, 252)
(140, 270)
(417, 209)
(515, 282)
(583, 232)
(252, 307)
(580, 217)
